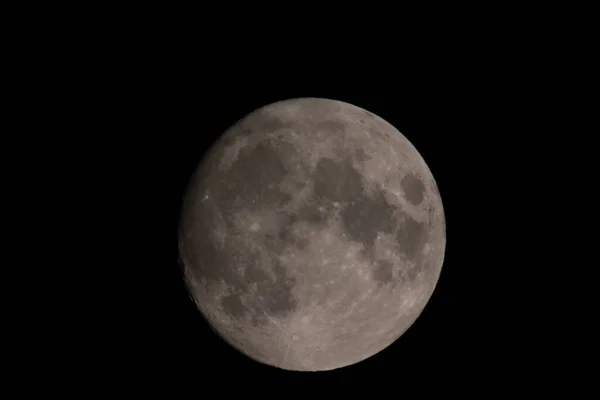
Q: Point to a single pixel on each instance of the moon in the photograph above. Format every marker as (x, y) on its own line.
(312, 235)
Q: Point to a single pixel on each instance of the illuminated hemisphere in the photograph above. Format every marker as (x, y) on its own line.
(312, 235)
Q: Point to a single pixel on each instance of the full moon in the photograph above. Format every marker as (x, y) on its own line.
(312, 235)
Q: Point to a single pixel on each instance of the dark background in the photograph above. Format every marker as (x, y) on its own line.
(471, 114)
(128, 102)
(452, 120)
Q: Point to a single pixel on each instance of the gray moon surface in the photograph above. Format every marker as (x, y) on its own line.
(312, 235)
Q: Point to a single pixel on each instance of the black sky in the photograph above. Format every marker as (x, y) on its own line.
(454, 117)
(128, 100)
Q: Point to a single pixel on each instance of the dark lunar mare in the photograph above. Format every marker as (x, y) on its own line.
(249, 184)
(283, 235)
(411, 236)
(413, 189)
(336, 181)
(365, 216)
(382, 272)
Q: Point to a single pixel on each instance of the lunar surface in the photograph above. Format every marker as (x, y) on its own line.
(312, 235)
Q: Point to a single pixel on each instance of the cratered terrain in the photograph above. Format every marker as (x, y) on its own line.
(312, 235)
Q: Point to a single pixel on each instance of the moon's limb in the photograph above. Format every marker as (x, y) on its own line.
(313, 235)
